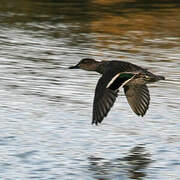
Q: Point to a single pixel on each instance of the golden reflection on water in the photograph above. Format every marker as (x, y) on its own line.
(41, 98)
(156, 26)
(107, 2)
(140, 25)
(137, 20)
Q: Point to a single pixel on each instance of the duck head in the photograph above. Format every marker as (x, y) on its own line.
(86, 64)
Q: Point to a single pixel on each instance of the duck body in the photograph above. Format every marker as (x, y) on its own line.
(117, 74)
(122, 66)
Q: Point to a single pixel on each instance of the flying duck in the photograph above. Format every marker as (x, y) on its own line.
(117, 74)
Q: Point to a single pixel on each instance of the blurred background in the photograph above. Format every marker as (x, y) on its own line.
(46, 109)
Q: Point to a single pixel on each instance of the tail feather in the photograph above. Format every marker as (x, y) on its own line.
(156, 78)
(160, 77)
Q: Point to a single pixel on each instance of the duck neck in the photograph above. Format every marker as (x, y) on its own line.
(100, 67)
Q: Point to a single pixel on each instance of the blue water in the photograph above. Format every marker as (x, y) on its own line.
(46, 109)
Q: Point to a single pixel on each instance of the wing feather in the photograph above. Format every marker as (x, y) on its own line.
(138, 98)
(102, 105)
(106, 92)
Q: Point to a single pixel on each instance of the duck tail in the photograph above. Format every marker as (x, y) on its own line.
(160, 77)
(156, 78)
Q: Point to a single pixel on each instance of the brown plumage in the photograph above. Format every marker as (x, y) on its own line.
(116, 74)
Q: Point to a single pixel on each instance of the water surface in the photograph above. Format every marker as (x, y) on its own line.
(46, 109)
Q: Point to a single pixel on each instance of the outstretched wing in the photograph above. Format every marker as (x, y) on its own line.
(138, 98)
(102, 104)
(106, 93)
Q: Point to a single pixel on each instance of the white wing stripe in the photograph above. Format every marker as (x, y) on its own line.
(112, 80)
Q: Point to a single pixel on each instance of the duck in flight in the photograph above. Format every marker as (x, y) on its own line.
(117, 74)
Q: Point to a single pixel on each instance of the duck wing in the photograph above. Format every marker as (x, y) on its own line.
(106, 92)
(138, 98)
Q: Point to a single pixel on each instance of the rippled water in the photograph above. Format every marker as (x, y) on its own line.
(45, 113)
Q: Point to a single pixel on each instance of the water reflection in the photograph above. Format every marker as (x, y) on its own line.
(138, 159)
(41, 98)
(133, 165)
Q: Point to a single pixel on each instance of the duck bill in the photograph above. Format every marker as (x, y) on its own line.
(74, 67)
